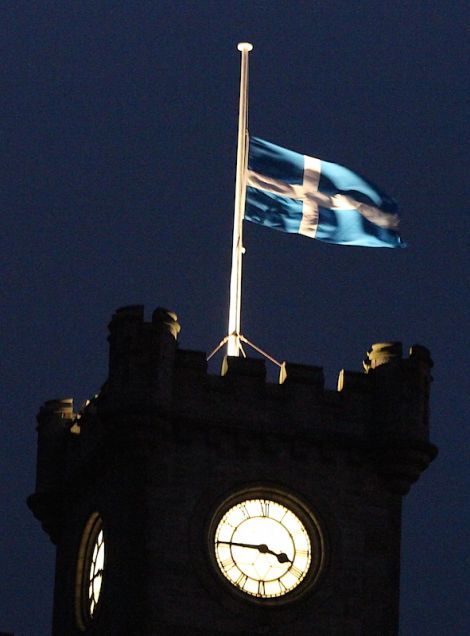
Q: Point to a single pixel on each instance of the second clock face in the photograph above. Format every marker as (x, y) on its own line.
(90, 571)
(262, 547)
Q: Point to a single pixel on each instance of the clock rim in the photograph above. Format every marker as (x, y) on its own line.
(309, 519)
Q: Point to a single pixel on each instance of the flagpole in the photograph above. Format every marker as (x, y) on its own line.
(233, 335)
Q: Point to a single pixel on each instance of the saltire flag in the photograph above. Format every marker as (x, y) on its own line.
(294, 193)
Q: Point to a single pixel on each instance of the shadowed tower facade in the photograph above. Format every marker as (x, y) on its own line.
(182, 502)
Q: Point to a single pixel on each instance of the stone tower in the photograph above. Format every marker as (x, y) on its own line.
(187, 503)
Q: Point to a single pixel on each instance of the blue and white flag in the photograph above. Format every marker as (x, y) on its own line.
(294, 193)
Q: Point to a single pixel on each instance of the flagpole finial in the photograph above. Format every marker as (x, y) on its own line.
(244, 46)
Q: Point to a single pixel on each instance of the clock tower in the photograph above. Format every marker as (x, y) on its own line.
(187, 503)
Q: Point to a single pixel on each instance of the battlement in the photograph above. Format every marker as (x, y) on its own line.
(147, 370)
(156, 391)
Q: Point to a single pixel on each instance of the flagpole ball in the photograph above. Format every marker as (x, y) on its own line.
(244, 46)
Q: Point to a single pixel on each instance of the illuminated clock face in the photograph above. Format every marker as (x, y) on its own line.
(90, 571)
(95, 572)
(263, 548)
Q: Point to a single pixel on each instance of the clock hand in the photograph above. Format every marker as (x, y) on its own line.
(261, 547)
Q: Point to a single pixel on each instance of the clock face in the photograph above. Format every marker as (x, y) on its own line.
(90, 570)
(95, 568)
(263, 547)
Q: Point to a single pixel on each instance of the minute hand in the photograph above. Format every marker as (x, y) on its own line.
(261, 547)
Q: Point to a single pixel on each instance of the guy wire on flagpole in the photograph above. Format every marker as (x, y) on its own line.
(233, 338)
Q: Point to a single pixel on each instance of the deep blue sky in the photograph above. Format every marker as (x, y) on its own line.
(118, 129)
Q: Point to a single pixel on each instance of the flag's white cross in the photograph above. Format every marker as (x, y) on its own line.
(312, 199)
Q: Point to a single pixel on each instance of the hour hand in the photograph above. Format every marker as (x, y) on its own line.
(261, 547)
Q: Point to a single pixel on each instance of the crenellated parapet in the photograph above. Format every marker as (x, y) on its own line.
(156, 392)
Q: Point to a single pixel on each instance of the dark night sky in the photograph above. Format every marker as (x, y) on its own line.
(118, 130)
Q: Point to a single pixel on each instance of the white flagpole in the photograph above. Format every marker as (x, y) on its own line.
(233, 342)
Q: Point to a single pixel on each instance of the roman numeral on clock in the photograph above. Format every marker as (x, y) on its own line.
(227, 564)
(244, 511)
(295, 571)
(242, 579)
(264, 505)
